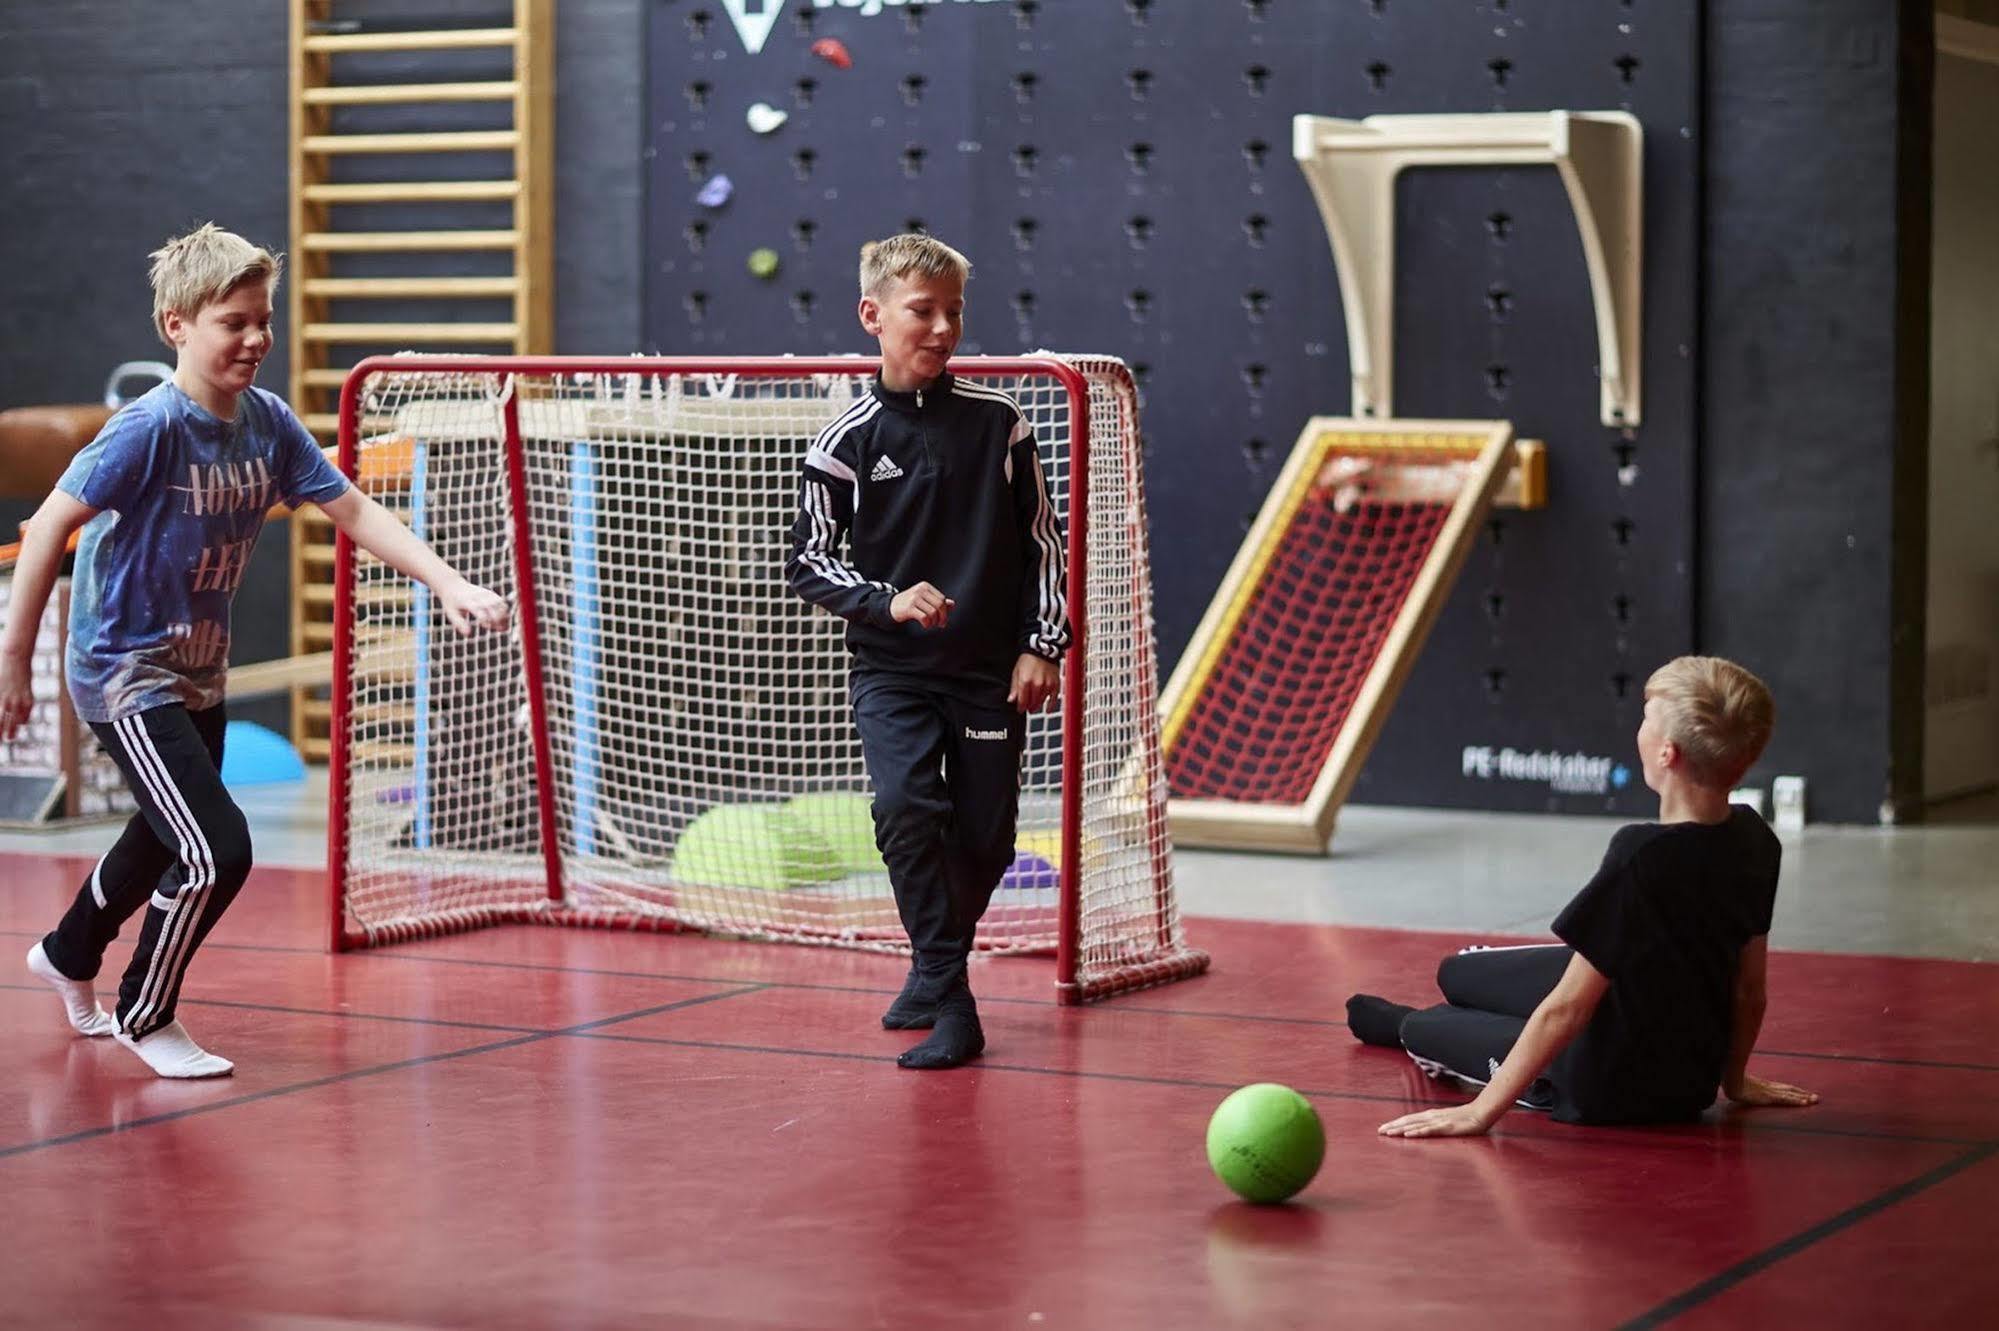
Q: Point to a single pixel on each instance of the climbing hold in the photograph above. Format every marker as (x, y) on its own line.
(716, 192)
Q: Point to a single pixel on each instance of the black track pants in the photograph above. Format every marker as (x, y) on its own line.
(183, 857)
(946, 774)
(1488, 996)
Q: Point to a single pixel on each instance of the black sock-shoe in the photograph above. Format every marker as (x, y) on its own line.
(1376, 1020)
(915, 1008)
(958, 1037)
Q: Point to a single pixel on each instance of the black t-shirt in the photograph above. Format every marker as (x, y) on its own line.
(1665, 920)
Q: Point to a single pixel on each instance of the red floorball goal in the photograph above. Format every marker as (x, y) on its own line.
(662, 740)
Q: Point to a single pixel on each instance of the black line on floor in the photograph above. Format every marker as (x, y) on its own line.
(1114, 1006)
(356, 1074)
(980, 1065)
(185, 1001)
(1690, 1133)
(592, 1028)
(597, 1029)
(1885, 1062)
(1798, 1242)
(88, 1134)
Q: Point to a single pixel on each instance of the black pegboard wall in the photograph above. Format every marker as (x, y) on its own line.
(1119, 171)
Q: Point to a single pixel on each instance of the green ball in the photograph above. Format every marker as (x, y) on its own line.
(845, 821)
(759, 846)
(763, 263)
(1265, 1142)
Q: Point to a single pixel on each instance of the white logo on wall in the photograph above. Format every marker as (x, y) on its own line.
(1568, 773)
(755, 18)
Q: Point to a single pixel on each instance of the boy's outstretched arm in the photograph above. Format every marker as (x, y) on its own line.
(1558, 1020)
(1751, 999)
(383, 535)
(42, 547)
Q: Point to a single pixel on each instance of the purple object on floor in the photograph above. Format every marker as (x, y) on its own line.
(1029, 871)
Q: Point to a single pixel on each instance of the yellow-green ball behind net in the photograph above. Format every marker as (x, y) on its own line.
(765, 847)
(844, 819)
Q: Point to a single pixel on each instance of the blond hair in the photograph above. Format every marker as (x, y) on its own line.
(1718, 714)
(201, 268)
(909, 255)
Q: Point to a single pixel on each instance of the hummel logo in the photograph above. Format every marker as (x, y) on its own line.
(984, 734)
(885, 469)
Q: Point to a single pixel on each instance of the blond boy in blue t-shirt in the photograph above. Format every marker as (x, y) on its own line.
(171, 497)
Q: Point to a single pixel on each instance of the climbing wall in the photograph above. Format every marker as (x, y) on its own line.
(1119, 172)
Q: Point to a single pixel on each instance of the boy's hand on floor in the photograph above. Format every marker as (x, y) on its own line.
(1036, 682)
(1455, 1121)
(469, 607)
(923, 604)
(1757, 1091)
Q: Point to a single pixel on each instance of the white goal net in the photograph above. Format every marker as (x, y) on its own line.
(663, 738)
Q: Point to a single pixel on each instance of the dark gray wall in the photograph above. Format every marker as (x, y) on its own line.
(1815, 337)
(122, 124)
(1121, 177)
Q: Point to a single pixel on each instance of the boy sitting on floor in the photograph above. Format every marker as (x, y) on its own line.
(1656, 993)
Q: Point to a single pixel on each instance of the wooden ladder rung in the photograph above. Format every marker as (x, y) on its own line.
(413, 287)
(411, 332)
(352, 242)
(320, 554)
(367, 94)
(376, 752)
(385, 713)
(460, 39)
(393, 594)
(324, 378)
(414, 191)
(454, 141)
(328, 423)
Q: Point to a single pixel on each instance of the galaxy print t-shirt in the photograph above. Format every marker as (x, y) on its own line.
(183, 495)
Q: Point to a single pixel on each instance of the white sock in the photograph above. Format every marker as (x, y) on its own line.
(79, 997)
(172, 1052)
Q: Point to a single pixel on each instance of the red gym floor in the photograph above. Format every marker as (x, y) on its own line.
(551, 1128)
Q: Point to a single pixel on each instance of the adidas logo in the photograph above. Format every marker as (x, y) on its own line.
(885, 469)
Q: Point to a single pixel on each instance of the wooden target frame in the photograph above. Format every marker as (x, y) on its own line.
(1456, 469)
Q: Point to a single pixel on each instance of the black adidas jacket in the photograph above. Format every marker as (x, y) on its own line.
(942, 486)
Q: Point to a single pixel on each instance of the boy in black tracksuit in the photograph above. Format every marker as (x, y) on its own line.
(954, 597)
